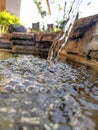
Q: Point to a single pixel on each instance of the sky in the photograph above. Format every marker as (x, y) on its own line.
(84, 9)
(87, 10)
(34, 16)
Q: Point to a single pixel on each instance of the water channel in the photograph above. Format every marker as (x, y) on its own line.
(32, 97)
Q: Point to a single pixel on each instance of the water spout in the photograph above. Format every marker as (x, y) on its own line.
(63, 36)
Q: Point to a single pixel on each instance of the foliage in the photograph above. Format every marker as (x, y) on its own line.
(56, 29)
(6, 19)
(52, 1)
(58, 23)
(59, 8)
(88, 3)
(39, 6)
(3, 28)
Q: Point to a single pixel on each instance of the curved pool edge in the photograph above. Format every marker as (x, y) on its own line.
(79, 59)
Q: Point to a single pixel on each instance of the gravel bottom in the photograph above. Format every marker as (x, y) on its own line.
(35, 97)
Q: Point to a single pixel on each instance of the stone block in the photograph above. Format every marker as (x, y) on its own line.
(23, 42)
(23, 36)
(5, 43)
(16, 28)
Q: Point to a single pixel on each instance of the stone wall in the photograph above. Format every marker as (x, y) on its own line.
(27, 43)
(82, 45)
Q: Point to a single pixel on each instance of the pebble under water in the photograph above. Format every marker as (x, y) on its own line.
(35, 98)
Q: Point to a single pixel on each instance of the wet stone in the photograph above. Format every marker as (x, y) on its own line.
(19, 88)
(28, 83)
(10, 88)
(64, 128)
(56, 116)
(13, 83)
(36, 98)
(96, 83)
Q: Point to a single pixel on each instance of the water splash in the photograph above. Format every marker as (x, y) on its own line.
(71, 13)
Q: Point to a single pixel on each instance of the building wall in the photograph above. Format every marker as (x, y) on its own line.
(26, 10)
(13, 6)
(2, 5)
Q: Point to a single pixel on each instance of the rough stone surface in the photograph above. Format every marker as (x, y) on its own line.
(34, 43)
(16, 28)
(28, 43)
(23, 42)
(93, 54)
(5, 42)
(46, 36)
(34, 98)
(82, 26)
(23, 36)
(83, 38)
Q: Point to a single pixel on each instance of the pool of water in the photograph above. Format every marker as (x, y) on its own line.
(32, 97)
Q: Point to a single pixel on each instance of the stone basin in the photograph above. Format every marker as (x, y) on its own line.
(34, 97)
(82, 45)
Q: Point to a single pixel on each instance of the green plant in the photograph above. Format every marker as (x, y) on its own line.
(39, 5)
(7, 19)
(3, 28)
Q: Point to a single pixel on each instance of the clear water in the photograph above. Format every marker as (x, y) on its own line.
(72, 7)
(35, 98)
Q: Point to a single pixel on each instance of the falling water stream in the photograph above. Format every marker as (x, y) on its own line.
(72, 9)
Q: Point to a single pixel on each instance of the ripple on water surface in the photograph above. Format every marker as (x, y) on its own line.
(32, 97)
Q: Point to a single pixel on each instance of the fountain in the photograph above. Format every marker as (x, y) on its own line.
(62, 38)
(33, 98)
